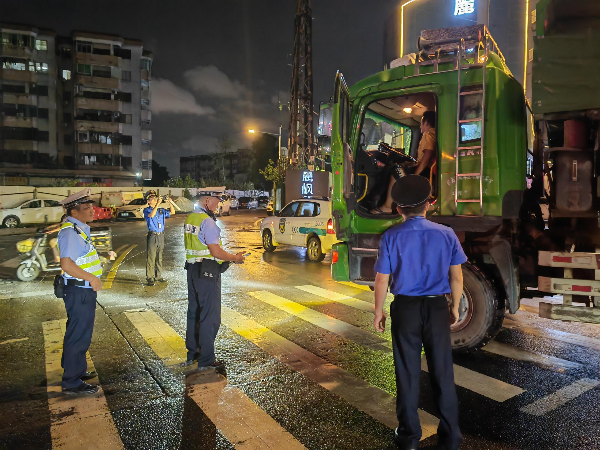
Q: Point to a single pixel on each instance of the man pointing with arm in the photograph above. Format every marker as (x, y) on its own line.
(423, 260)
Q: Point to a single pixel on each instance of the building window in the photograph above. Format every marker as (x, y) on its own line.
(83, 136)
(67, 118)
(43, 136)
(67, 96)
(14, 63)
(41, 90)
(84, 69)
(84, 47)
(66, 75)
(145, 85)
(123, 97)
(42, 113)
(41, 45)
(13, 88)
(126, 75)
(67, 139)
(145, 64)
(41, 67)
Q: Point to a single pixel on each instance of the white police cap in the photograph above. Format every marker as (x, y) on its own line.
(78, 198)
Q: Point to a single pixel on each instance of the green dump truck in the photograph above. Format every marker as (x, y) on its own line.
(499, 161)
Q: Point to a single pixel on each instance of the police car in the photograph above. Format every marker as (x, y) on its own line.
(303, 223)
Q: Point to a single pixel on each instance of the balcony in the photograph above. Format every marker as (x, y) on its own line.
(100, 60)
(145, 95)
(20, 122)
(145, 75)
(19, 75)
(146, 116)
(99, 82)
(98, 104)
(88, 125)
(99, 149)
(11, 144)
(17, 52)
(20, 99)
(99, 168)
(147, 174)
(146, 155)
(146, 135)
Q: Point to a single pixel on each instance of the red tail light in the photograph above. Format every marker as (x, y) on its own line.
(334, 257)
(330, 229)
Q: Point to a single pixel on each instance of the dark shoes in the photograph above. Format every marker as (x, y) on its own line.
(150, 282)
(214, 366)
(88, 376)
(82, 389)
(162, 280)
(403, 443)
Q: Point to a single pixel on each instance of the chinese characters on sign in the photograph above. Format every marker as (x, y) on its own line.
(464, 7)
(307, 184)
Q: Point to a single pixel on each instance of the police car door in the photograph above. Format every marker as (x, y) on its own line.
(303, 223)
(283, 227)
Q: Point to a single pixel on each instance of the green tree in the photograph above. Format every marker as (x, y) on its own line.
(273, 172)
(178, 182)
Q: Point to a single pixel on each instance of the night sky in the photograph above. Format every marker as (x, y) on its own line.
(219, 66)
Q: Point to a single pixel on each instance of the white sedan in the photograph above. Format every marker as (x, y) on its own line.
(304, 223)
(32, 211)
(135, 209)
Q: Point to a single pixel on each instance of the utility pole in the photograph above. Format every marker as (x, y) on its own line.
(301, 141)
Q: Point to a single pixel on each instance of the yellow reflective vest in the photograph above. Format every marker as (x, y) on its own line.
(89, 262)
(195, 250)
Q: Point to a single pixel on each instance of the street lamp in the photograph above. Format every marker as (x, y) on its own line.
(253, 131)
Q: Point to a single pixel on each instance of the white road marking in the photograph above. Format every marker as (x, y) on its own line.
(556, 399)
(546, 361)
(34, 293)
(10, 341)
(240, 420)
(373, 401)
(76, 422)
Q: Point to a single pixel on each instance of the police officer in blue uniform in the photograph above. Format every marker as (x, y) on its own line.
(82, 270)
(155, 219)
(423, 260)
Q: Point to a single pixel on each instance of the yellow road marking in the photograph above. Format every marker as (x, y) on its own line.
(240, 420)
(120, 248)
(113, 271)
(354, 285)
(76, 422)
(373, 401)
(551, 402)
(339, 298)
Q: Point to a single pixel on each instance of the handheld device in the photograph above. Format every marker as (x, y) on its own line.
(246, 254)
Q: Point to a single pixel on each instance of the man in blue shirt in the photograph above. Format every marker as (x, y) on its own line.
(424, 261)
(155, 218)
(82, 270)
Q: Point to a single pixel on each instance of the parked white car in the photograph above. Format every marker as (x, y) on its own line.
(235, 204)
(253, 204)
(32, 211)
(135, 209)
(304, 223)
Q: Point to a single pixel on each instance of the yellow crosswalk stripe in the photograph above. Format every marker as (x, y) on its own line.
(336, 297)
(240, 420)
(354, 285)
(375, 402)
(76, 422)
(468, 379)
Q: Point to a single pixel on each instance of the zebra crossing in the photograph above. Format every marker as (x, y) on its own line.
(242, 421)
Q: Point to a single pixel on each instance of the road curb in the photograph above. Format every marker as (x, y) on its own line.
(16, 231)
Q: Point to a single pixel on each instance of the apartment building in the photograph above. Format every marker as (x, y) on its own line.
(235, 164)
(74, 107)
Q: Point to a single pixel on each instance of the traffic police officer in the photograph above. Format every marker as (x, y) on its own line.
(204, 264)
(155, 243)
(82, 270)
(424, 261)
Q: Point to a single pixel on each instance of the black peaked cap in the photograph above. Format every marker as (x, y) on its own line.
(411, 190)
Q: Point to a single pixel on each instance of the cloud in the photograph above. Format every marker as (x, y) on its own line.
(281, 97)
(170, 98)
(211, 82)
(200, 144)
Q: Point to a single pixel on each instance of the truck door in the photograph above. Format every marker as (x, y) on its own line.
(342, 155)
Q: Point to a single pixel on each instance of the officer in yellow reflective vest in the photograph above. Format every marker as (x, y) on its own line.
(204, 263)
(82, 270)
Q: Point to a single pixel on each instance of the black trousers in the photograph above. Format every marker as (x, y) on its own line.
(80, 304)
(155, 246)
(203, 315)
(424, 321)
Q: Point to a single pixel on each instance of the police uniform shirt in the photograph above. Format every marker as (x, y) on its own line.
(418, 254)
(210, 233)
(72, 245)
(156, 223)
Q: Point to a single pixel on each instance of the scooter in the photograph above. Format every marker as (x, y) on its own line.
(30, 268)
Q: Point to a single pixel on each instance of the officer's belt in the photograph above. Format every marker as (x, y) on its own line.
(71, 282)
(418, 296)
(155, 232)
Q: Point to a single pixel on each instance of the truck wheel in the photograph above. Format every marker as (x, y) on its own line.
(480, 315)
(313, 249)
(267, 241)
(25, 273)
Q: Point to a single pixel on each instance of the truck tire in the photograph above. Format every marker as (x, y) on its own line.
(480, 313)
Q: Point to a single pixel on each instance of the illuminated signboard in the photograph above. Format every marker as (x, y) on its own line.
(464, 7)
(307, 184)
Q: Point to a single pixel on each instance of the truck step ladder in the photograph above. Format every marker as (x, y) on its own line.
(461, 151)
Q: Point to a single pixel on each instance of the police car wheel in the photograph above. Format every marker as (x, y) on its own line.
(267, 241)
(480, 312)
(25, 273)
(313, 249)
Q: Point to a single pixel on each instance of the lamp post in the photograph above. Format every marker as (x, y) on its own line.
(253, 131)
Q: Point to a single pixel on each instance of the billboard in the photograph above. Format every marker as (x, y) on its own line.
(306, 184)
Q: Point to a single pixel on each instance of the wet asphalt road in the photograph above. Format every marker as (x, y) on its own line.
(304, 367)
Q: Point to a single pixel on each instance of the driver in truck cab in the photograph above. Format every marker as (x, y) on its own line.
(426, 160)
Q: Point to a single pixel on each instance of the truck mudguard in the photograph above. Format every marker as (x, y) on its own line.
(501, 253)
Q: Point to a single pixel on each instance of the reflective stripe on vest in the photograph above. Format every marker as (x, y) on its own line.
(195, 250)
(90, 262)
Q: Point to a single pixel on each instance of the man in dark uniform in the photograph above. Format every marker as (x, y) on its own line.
(204, 264)
(155, 219)
(424, 261)
(82, 270)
